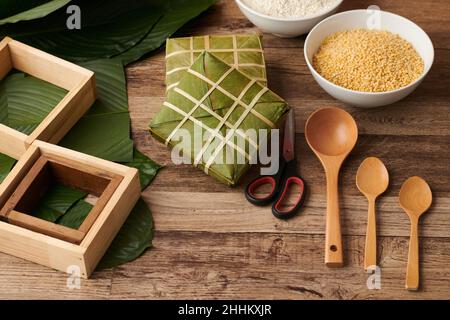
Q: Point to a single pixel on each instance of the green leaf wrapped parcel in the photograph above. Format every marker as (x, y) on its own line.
(222, 103)
(245, 52)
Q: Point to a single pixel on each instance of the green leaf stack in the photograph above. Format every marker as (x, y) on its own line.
(113, 34)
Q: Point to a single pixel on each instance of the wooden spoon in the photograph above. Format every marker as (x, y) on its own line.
(415, 198)
(332, 134)
(372, 180)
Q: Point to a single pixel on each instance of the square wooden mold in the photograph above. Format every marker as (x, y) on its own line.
(78, 81)
(12, 142)
(116, 186)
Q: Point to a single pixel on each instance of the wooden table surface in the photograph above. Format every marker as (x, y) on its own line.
(211, 243)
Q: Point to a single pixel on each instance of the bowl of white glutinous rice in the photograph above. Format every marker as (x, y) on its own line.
(287, 18)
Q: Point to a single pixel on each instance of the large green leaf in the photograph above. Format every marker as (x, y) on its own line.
(93, 13)
(100, 41)
(37, 12)
(26, 101)
(104, 135)
(56, 202)
(133, 239)
(146, 166)
(11, 7)
(176, 14)
(6, 164)
(129, 29)
(111, 86)
(105, 130)
(74, 218)
(107, 28)
(3, 104)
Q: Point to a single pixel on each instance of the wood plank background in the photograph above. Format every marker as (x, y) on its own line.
(211, 243)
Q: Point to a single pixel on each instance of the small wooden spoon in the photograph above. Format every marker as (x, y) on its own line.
(415, 198)
(332, 134)
(372, 180)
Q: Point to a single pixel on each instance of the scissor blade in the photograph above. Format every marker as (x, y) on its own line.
(289, 137)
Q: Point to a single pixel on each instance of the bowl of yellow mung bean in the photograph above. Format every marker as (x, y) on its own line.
(368, 58)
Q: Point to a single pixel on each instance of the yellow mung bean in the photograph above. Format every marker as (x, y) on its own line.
(368, 60)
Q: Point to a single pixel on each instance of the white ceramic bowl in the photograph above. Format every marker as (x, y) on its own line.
(361, 19)
(285, 27)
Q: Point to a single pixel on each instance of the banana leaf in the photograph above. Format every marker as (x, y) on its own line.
(133, 239)
(175, 15)
(6, 164)
(93, 13)
(108, 29)
(56, 202)
(105, 130)
(146, 166)
(12, 7)
(104, 135)
(243, 51)
(99, 41)
(75, 216)
(111, 86)
(41, 10)
(25, 101)
(221, 109)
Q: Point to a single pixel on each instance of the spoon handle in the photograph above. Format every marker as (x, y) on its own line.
(370, 255)
(333, 242)
(412, 271)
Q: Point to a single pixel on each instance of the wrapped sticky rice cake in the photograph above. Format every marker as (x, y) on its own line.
(244, 52)
(222, 103)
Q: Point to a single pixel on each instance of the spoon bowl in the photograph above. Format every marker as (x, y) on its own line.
(372, 177)
(372, 180)
(415, 198)
(332, 134)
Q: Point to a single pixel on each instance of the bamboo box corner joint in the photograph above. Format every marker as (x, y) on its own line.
(116, 187)
(78, 81)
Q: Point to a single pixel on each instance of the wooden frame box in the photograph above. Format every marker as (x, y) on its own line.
(39, 241)
(47, 170)
(79, 82)
(12, 142)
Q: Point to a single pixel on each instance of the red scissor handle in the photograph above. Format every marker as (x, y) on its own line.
(281, 184)
(255, 199)
(273, 181)
(300, 197)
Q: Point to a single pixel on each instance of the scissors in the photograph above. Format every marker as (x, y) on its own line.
(283, 181)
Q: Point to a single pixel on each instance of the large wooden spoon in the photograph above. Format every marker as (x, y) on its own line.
(415, 198)
(372, 180)
(332, 134)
